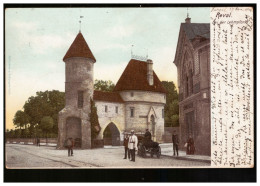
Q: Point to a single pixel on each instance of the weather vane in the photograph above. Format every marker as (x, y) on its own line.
(80, 23)
(187, 12)
(139, 57)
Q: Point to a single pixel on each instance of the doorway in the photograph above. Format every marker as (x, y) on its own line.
(111, 135)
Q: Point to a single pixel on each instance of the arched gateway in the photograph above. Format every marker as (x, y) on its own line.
(73, 130)
(111, 135)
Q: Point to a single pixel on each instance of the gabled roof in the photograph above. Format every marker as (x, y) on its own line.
(134, 77)
(79, 48)
(193, 30)
(107, 96)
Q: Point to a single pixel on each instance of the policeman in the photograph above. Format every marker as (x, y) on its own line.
(132, 145)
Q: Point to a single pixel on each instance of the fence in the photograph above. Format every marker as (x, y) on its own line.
(32, 141)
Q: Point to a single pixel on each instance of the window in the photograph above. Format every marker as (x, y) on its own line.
(80, 99)
(132, 94)
(162, 113)
(132, 112)
(116, 109)
(187, 86)
(105, 108)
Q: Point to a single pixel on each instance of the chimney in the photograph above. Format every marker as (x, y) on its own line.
(150, 71)
(187, 20)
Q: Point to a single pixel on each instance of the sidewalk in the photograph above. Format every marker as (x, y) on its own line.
(167, 150)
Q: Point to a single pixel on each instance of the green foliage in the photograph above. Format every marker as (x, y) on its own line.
(106, 86)
(47, 124)
(172, 105)
(95, 126)
(44, 104)
(20, 119)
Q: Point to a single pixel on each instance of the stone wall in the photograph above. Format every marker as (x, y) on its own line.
(110, 116)
(79, 77)
(143, 96)
(198, 102)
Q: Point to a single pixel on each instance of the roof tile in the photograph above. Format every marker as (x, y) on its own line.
(107, 96)
(79, 48)
(134, 77)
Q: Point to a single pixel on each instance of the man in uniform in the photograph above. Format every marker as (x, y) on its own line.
(132, 145)
(175, 141)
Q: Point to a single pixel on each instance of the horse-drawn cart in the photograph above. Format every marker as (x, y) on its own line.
(148, 147)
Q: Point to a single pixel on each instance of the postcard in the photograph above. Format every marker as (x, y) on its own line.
(129, 87)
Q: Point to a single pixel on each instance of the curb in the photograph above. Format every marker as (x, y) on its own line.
(188, 159)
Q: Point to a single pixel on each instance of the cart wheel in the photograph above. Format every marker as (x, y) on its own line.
(151, 153)
(159, 152)
(139, 153)
(143, 152)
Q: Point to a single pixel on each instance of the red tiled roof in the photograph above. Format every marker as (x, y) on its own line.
(107, 96)
(79, 48)
(134, 77)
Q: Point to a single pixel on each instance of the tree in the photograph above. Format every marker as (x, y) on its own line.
(47, 125)
(106, 86)
(20, 119)
(47, 103)
(172, 105)
(95, 126)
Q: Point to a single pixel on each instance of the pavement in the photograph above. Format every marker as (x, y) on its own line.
(167, 150)
(31, 156)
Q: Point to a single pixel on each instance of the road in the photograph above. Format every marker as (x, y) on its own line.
(30, 156)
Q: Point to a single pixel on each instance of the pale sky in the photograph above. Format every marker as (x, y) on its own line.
(36, 40)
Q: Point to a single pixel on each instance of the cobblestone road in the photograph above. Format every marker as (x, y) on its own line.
(30, 156)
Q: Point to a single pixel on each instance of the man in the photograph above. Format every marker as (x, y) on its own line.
(175, 141)
(126, 140)
(70, 145)
(147, 138)
(148, 135)
(38, 142)
(132, 145)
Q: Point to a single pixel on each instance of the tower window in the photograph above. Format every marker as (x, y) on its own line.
(132, 94)
(162, 113)
(80, 99)
(132, 112)
(116, 109)
(105, 108)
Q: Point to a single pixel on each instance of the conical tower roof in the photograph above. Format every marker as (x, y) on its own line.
(79, 48)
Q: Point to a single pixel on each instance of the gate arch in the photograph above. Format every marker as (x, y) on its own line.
(73, 130)
(111, 135)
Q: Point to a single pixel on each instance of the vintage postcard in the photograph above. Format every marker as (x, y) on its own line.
(129, 87)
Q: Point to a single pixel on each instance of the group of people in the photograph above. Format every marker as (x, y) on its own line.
(131, 141)
(130, 144)
(190, 147)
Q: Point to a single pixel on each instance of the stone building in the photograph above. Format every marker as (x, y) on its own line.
(192, 59)
(137, 101)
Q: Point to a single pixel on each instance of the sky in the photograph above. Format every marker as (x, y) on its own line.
(36, 40)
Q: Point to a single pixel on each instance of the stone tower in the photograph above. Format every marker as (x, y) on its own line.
(74, 118)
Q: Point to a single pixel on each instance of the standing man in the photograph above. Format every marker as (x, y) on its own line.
(132, 145)
(126, 140)
(38, 142)
(70, 145)
(175, 141)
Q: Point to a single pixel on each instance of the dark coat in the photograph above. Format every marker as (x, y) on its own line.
(175, 139)
(126, 142)
(148, 135)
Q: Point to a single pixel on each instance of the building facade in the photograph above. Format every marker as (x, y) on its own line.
(192, 59)
(136, 103)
